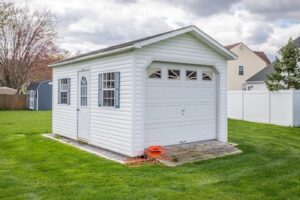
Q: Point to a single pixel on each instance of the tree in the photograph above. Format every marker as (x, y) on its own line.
(286, 73)
(26, 37)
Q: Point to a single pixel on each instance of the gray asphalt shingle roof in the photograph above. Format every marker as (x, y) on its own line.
(262, 74)
(126, 44)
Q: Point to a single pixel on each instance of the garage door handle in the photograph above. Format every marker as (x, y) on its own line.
(182, 111)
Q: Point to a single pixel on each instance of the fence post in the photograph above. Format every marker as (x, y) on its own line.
(270, 107)
(292, 107)
(243, 105)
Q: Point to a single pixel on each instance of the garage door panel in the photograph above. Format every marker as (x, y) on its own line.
(171, 92)
(201, 111)
(154, 113)
(191, 94)
(172, 133)
(154, 92)
(172, 111)
(180, 110)
(207, 93)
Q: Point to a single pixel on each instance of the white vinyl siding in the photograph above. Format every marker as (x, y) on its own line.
(64, 117)
(180, 48)
(110, 128)
(122, 130)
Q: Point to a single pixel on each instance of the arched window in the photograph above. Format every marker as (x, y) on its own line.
(83, 91)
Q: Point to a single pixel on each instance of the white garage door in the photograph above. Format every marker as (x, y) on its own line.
(180, 104)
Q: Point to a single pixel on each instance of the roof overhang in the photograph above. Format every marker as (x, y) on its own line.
(93, 56)
(197, 33)
(209, 41)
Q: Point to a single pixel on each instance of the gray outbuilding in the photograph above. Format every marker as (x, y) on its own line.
(40, 95)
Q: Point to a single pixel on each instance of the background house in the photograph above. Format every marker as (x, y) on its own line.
(160, 90)
(40, 95)
(247, 64)
(257, 81)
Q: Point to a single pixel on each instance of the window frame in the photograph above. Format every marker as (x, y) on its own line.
(64, 88)
(83, 92)
(175, 79)
(156, 70)
(108, 89)
(206, 73)
(241, 70)
(188, 77)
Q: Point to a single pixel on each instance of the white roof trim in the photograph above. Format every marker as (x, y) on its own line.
(89, 57)
(197, 32)
(193, 29)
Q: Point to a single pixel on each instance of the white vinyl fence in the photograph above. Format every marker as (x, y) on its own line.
(281, 107)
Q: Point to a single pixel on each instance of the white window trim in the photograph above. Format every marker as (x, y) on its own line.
(194, 71)
(108, 89)
(175, 69)
(207, 72)
(64, 89)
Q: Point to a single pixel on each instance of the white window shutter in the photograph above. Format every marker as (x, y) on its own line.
(117, 89)
(69, 91)
(100, 93)
(58, 94)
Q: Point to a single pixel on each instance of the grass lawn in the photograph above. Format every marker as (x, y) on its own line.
(34, 167)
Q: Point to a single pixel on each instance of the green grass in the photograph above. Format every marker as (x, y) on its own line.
(34, 167)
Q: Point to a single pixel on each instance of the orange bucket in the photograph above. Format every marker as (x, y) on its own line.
(154, 151)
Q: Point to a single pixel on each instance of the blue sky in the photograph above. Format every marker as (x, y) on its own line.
(86, 25)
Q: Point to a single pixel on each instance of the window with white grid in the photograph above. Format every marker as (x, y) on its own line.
(83, 92)
(64, 90)
(109, 89)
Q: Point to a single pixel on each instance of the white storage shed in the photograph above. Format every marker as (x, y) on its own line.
(160, 90)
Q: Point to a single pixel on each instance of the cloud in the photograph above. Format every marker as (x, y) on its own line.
(203, 7)
(274, 9)
(91, 24)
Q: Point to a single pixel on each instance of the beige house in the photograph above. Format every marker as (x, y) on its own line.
(247, 64)
(257, 82)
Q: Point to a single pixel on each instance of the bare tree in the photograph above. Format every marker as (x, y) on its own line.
(26, 37)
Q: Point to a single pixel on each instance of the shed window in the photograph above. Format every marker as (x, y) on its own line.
(241, 70)
(154, 73)
(207, 76)
(64, 90)
(191, 75)
(109, 89)
(174, 74)
(83, 92)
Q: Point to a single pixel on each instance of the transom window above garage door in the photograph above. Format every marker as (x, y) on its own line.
(191, 74)
(174, 74)
(154, 73)
(207, 75)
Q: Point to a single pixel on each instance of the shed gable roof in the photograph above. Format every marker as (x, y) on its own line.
(149, 40)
